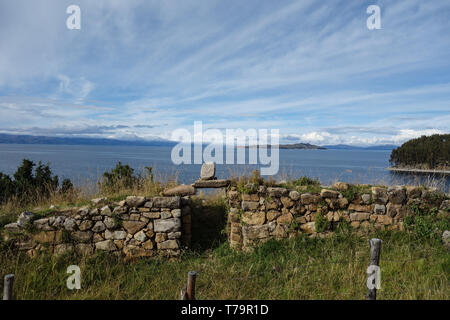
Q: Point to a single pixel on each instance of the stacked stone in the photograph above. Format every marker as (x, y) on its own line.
(264, 213)
(135, 227)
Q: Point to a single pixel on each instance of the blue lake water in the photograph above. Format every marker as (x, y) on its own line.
(87, 163)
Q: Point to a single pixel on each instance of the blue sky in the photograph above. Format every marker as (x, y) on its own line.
(141, 69)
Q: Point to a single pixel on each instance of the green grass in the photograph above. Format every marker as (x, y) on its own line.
(301, 268)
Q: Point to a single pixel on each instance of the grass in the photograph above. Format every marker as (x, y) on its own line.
(300, 268)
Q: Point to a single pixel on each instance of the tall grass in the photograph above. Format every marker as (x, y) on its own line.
(300, 268)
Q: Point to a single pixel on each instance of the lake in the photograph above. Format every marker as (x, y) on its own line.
(84, 163)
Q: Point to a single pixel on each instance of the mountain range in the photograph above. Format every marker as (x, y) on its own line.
(30, 139)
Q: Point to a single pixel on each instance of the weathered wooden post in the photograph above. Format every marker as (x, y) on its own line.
(188, 291)
(8, 287)
(372, 272)
(191, 285)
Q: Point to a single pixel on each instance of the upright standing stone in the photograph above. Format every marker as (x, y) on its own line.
(208, 171)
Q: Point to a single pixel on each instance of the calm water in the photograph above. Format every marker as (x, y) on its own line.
(87, 163)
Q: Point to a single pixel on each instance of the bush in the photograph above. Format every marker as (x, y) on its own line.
(28, 186)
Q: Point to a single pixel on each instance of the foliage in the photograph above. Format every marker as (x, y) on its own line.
(424, 152)
(28, 186)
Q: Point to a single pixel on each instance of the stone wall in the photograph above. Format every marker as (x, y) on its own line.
(135, 227)
(259, 213)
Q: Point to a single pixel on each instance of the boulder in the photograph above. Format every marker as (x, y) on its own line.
(396, 195)
(208, 171)
(326, 193)
(379, 195)
(135, 201)
(446, 239)
(167, 225)
(253, 218)
(133, 226)
(166, 202)
(107, 245)
(294, 195)
(25, 218)
(181, 190)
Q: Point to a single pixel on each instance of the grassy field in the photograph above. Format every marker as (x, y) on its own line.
(300, 268)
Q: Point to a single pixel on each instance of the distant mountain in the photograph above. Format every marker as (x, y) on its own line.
(28, 139)
(349, 147)
(291, 146)
(300, 146)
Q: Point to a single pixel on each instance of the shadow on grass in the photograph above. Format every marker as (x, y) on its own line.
(209, 218)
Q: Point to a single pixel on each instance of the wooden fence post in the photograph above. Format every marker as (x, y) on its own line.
(375, 250)
(8, 287)
(191, 285)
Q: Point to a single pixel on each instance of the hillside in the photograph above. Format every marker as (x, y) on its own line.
(432, 152)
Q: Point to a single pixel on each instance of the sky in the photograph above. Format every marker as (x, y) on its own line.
(142, 69)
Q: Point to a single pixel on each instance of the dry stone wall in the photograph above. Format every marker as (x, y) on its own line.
(135, 227)
(260, 213)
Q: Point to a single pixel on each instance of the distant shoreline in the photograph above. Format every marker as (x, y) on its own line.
(421, 171)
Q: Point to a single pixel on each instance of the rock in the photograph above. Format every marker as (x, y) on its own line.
(413, 192)
(396, 195)
(359, 216)
(109, 222)
(221, 183)
(168, 244)
(273, 214)
(99, 227)
(105, 211)
(70, 224)
(446, 239)
(140, 236)
(85, 225)
(44, 237)
(365, 198)
(82, 236)
(249, 205)
(42, 224)
(25, 218)
(13, 227)
(342, 203)
(133, 226)
(59, 222)
(255, 232)
(176, 213)
(379, 195)
(167, 225)
(166, 202)
(166, 215)
(253, 218)
(286, 219)
(174, 235)
(379, 209)
(384, 219)
(120, 210)
(250, 197)
(326, 193)
(119, 235)
(107, 245)
(160, 237)
(360, 208)
(277, 192)
(341, 186)
(294, 195)
(309, 227)
(181, 190)
(287, 202)
(208, 171)
(98, 201)
(309, 198)
(135, 201)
